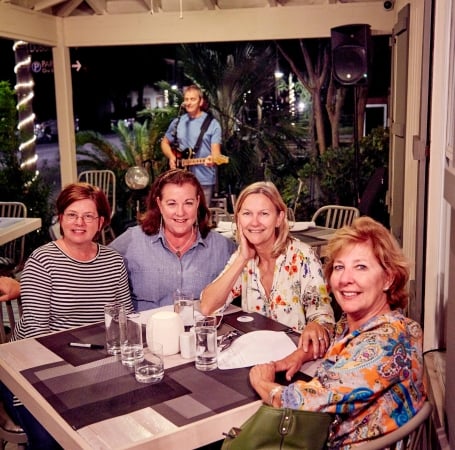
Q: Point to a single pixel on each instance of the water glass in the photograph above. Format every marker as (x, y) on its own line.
(112, 313)
(149, 368)
(184, 307)
(206, 343)
(131, 347)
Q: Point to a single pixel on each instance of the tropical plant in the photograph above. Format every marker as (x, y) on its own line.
(240, 85)
(136, 144)
(334, 172)
(16, 183)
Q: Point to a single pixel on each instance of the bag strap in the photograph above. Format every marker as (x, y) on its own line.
(285, 423)
(204, 127)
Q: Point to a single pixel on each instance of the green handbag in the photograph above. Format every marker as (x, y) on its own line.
(280, 429)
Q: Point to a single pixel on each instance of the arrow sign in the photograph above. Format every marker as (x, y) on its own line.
(77, 65)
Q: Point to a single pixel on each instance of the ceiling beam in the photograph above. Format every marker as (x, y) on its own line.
(243, 24)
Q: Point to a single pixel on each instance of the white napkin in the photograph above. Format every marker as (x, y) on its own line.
(256, 347)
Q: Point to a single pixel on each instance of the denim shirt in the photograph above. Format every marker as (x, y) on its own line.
(155, 272)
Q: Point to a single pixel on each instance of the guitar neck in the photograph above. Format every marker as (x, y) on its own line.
(190, 162)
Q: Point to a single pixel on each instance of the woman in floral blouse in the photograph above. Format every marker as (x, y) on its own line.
(276, 275)
(372, 374)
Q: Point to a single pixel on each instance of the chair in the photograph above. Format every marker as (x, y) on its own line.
(219, 214)
(106, 181)
(219, 202)
(411, 436)
(335, 216)
(12, 253)
(12, 311)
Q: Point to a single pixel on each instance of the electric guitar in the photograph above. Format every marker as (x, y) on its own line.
(185, 159)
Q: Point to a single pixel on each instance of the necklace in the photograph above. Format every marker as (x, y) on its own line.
(178, 250)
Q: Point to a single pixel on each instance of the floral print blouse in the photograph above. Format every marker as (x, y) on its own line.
(299, 292)
(371, 378)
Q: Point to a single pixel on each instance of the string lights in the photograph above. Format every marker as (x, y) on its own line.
(24, 91)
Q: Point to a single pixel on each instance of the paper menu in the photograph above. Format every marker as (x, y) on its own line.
(256, 347)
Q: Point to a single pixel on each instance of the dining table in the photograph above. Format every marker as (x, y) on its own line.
(87, 399)
(314, 235)
(15, 227)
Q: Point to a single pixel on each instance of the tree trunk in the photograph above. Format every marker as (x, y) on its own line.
(313, 80)
(334, 104)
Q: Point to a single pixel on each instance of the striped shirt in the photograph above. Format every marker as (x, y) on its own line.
(59, 292)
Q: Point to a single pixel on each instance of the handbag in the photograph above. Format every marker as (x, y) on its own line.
(272, 428)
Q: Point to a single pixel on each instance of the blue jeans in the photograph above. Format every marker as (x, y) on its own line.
(38, 437)
(208, 193)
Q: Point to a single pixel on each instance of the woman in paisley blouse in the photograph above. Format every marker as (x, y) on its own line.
(276, 275)
(372, 374)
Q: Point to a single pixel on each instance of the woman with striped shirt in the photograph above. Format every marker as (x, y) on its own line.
(66, 283)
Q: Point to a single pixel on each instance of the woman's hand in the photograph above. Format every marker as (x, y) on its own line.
(9, 289)
(292, 363)
(246, 249)
(316, 335)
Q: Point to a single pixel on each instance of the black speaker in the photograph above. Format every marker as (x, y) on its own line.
(351, 48)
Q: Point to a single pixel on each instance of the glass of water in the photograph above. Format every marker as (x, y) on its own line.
(131, 345)
(150, 368)
(206, 343)
(184, 307)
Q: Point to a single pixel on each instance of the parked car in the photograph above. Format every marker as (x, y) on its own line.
(47, 131)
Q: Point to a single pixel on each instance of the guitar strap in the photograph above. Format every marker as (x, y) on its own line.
(204, 127)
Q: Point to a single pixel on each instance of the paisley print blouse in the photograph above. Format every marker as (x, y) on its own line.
(371, 378)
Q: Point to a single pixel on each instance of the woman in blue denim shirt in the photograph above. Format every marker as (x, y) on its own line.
(172, 247)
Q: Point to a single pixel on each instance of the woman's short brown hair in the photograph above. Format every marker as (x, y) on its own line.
(385, 249)
(151, 219)
(84, 191)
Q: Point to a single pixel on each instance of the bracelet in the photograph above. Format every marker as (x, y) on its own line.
(272, 394)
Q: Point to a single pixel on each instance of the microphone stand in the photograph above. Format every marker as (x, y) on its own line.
(175, 141)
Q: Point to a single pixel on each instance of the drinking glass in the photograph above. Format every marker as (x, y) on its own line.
(131, 346)
(112, 313)
(149, 368)
(184, 307)
(206, 343)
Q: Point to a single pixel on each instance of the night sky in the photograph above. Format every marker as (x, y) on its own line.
(109, 73)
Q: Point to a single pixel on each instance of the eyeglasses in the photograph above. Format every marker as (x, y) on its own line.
(72, 217)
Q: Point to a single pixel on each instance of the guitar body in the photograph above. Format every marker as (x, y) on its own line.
(185, 158)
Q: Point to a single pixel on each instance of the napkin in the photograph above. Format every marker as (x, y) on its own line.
(256, 347)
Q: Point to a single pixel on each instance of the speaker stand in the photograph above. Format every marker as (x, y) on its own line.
(356, 148)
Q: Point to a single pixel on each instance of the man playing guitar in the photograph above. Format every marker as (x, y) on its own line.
(183, 134)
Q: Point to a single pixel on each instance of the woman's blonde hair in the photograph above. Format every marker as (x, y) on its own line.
(268, 189)
(385, 249)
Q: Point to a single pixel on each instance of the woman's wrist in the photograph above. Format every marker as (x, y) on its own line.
(274, 398)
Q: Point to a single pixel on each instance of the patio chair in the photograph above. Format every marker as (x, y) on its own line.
(12, 253)
(411, 436)
(106, 181)
(335, 216)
